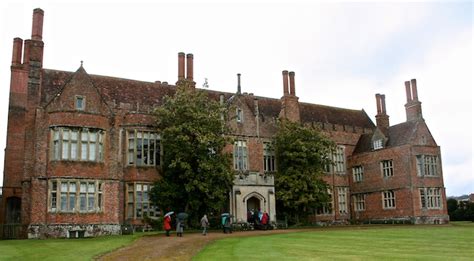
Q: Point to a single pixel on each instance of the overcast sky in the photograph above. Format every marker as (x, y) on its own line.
(342, 54)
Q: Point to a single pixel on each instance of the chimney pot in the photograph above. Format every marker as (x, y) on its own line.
(408, 90)
(37, 28)
(285, 82)
(239, 89)
(189, 69)
(17, 49)
(292, 83)
(181, 66)
(414, 90)
(377, 100)
(26, 51)
(382, 99)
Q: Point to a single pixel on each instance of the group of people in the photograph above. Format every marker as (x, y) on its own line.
(258, 218)
(226, 225)
(179, 225)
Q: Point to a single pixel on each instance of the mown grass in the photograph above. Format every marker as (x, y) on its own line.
(451, 242)
(63, 249)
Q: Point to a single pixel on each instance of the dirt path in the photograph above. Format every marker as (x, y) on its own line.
(160, 247)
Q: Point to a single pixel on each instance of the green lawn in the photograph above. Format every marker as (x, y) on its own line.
(62, 249)
(453, 242)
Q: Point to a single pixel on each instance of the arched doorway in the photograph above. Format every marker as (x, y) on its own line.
(253, 204)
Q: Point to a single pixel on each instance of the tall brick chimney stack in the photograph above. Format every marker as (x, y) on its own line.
(185, 67)
(290, 108)
(189, 66)
(292, 83)
(17, 49)
(190, 70)
(285, 83)
(25, 93)
(239, 89)
(382, 118)
(37, 29)
(33, 48)
(413, 105)
(181, 56)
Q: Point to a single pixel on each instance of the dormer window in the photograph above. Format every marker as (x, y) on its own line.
(378, 144)
(80, 103)
(239, 115)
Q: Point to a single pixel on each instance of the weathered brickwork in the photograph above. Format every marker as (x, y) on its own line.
(80, 158)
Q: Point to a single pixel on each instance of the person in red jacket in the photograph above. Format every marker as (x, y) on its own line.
(167, 225)
(265, 220)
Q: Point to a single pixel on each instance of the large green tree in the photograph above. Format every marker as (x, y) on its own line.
(197, 175)
(302, 154)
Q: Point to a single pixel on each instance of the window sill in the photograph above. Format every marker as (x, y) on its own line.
(143, 166)
(74, 212)
(77, 161)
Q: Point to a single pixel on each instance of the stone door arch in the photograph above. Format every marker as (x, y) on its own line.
(255, 201)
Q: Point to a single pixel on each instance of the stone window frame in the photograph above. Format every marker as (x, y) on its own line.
(388, 199)
(358, 173)
(83, 100)
(342, 193)
(131, 203)
(339, 158)
(241, 155)
(269, 158)
(132, 150)
(430, 198)
(378, 144)
(64, 147)
(327, 208)
(427, 165)
(359, 202)
(55, 196)
(239, 115)
(386, 168)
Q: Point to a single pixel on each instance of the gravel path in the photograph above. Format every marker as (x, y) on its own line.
(160, 247)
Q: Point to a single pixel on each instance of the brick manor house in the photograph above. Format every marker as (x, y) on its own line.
(82, 152)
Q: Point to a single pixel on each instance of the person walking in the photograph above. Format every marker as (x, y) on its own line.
(179, 227)
(167, 224)
(226, 224)
(204, 225)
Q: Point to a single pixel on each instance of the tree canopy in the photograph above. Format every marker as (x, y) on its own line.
(460, 211)
(302, 154)
(196, 174)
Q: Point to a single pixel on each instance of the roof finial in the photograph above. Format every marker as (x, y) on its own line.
(82, 62)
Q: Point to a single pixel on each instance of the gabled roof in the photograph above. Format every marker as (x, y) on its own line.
(119, 90)
(398, 135)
